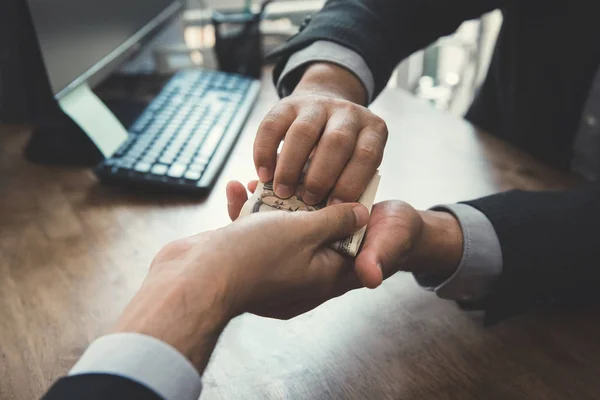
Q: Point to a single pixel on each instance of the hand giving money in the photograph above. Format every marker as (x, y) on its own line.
(264, 199)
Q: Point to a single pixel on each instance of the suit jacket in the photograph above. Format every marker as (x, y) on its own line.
(98, 387)
(542, 69)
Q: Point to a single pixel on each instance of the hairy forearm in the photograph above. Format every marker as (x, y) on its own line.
(331, 80)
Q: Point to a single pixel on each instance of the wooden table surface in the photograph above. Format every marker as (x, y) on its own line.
(72, 253)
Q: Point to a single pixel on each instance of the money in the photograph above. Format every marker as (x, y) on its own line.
(264, 199)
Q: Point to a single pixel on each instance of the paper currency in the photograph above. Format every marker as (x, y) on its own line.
(265, 199)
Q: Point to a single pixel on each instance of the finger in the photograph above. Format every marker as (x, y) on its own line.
(336, 222)
(347, 282)
(301, 138)
(368, 269)
(236, 197)
(363, 164)
(270, 134)
(333, 152)
(252, 186)
(386, 241)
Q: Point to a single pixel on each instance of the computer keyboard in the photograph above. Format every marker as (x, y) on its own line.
(182, 139)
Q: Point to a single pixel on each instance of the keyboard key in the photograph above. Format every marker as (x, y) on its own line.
(159, 169)
(134, 153)
(211, 142)
(201, 160)
(136, 150)
(192, 175)
(178, 140)
(143, 167)
(195, 140)
(197, 167)
(154, 152)
(177, 170)
(126, 164)
(142, 122)
(149, 159)
(166, 160)
(129, 158)
(170, 152)
(188, 151)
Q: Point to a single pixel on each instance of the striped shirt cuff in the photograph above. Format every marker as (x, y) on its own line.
(331, 52)
(481, 263)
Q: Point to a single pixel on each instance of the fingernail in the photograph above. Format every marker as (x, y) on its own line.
(335, 201)
(264, 174)
(284, 191)
(309, 197)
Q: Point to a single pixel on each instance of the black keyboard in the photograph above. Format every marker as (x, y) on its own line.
(182, 139)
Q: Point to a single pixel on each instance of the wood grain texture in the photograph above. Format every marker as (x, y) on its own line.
(72, 253)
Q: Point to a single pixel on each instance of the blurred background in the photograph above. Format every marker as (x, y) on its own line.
(447, 74)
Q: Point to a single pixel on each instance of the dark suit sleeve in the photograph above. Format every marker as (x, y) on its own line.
(550, 249)
(99, 387)
(383, 32)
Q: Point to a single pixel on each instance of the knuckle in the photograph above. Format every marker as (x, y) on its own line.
(381, 130)
(317, 184)
(321, 101)
(380, 125)
(309, 114)
(270, 125)
(285, 106)
(344, 220)
(339, 104)
(341, 139)
(305, 131)
(347, 190)
(285, 174)
(347, 106)
(263, 154)
(354, 113)
(174, 249)
(368, 155)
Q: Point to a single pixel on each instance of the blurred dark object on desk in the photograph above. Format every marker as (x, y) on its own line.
(238, 41)
(24, 91)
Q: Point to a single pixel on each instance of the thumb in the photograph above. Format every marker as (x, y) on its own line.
(387, 243)
(337, 221)
(236, 197)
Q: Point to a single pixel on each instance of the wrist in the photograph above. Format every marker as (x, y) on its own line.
(440, 245)
(187, 318)
(333, 81)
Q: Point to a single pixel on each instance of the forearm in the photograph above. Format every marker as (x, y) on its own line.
(383, 32)
(160, 346)
(189, 319)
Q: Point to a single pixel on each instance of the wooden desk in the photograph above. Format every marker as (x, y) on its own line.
(72, 253)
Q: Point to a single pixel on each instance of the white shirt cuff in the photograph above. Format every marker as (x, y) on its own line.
(145, 360)
(331, 52)
(481, 262)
